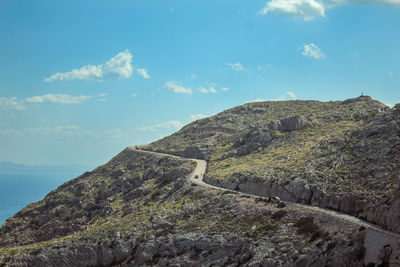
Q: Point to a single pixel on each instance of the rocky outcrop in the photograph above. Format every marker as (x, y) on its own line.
(292, 123)
(385, 214)
(252, 140)
(187, 250)
(193, 152)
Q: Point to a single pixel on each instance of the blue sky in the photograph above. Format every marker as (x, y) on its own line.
(80, 81)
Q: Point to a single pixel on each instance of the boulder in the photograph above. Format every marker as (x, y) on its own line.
(294, 123)
(252, 140)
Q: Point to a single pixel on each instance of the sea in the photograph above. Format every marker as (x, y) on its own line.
(17, 190)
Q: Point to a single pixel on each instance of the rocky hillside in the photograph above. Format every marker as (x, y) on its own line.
(139, 209)
(343, 155)
(93, 198)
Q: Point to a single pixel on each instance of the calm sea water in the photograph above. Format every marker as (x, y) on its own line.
(20, 189)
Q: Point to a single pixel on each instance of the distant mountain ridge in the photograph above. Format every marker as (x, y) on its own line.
(7, 166)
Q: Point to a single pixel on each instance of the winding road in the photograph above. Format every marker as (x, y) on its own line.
(376, 237)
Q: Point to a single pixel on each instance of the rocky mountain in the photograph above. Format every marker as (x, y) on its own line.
(140, 209)
(342, 155)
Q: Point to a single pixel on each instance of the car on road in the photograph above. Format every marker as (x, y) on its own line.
(196, 176)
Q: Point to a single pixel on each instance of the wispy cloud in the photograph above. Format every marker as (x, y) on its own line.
(225, 89)
(313, 51)
(177, 87)
(60, 99)
(102, 97)
(120, 66)
(10, 132)
(210, 89)
(172, 125)
(89, 72)
(80, 135)
(285, 97)
(257, 100)
(143, 73)
(11, 103)
(44, 131)
(236, 66)
(16, 104)
(195, 117)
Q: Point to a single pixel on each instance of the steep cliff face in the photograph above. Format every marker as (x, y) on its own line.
(139, 209)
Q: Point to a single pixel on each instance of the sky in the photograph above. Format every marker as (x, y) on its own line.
(82, 80)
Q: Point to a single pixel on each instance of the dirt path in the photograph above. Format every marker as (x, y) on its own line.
(376, 237)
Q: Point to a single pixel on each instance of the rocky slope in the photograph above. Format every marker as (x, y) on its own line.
(155, 217)
(340, 155)
(139, 209)
(94, 197)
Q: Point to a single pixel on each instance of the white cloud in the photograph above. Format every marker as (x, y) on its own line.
(257, 100)
(171, 125)
(313, 51)
(305, 9)
(312, 9)
(133, 95)
(177, 88)
(10, 132)
(12, 103)
(285, 97)
(195, 117)
(45, 131)
(225, 89)
(65, 134)
(193, 75)
(289, 96)
(102, 97)
(236, 66)
(211, 89)
(143, 72)
(120, 66)
(88, 72)
(60, 99)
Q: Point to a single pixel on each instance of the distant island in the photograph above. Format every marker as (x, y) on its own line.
(7, 167)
